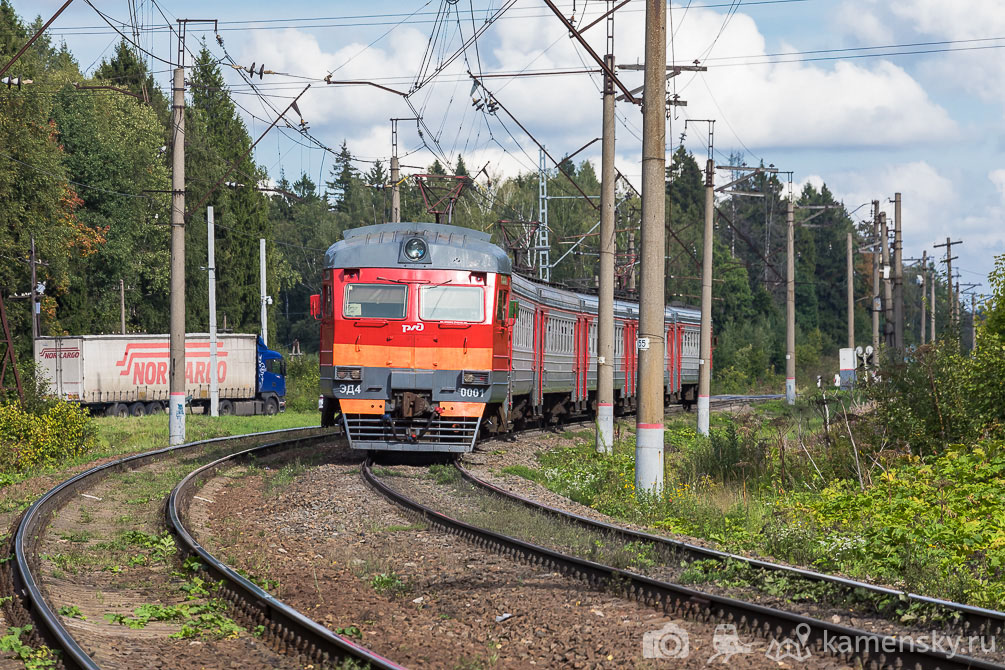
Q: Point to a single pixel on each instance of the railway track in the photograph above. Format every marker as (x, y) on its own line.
(283, 628)
(970, 620)
(871, 650)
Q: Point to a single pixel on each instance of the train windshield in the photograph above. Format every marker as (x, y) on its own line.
(375, 301)
(452, 303)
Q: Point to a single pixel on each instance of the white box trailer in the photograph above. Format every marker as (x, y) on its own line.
(123, 375)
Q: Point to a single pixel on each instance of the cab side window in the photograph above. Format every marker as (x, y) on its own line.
(502, 305)
(326, 300)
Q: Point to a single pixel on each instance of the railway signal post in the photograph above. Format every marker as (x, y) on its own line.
(605, 306)
(176, 408)
(887, 282)
(924, 293)
(650, 345)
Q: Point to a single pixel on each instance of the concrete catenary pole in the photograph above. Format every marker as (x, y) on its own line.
(122, 306)
(887, 282)
(876, 261)
(790, 304)
(851, 293)
(214, 382)
(176, 410)
(973, 322)
(931, 329)
(650, 346)
(264, 297)
(705, 342)
(34, 295)
(898, 276)
(605, 307)
(924, 294)
(956, 310)
(395, 192)
(949, 282)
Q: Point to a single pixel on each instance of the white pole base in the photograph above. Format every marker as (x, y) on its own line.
(649, 457)
(703, 415)
(790, 390)
(176, 419)
(605, 428)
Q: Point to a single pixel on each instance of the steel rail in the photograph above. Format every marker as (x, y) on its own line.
(32, 526)
(870, 648)
(290, 631)
(976, 620)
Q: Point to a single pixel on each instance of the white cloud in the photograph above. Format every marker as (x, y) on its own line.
(997, 178)
(766, 106)
(976, 70)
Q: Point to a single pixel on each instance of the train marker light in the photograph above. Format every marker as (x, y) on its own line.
(415, 249)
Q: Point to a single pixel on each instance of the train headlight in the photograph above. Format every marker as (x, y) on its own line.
(349, 373)
(416, 249)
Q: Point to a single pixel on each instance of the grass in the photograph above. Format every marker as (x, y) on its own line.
(118, 437)
(771, 484)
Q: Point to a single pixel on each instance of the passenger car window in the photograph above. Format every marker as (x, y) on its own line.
(451, 303)
(375, 301)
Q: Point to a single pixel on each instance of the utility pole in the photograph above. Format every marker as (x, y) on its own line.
(956, 306)
(949, 280)
(898, 276)
(876, 260)
(395, 176)
(705, 341)
(887, 283)
(264, 297)
(973, 322)
(931, 330)
(790, 304)
(851, 294)
(605, 307)
(34, 295)
(176, 411)
(214, 383)
(651, 346)
(122, 306)
(924, 293)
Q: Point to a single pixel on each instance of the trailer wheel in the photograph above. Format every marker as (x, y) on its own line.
(226, 408)
(117, 409)
(155, 408)
(137, 409)
(271, 406)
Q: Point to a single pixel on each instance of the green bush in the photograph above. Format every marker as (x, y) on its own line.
(62, 431)
(939, 395)
(303, 383)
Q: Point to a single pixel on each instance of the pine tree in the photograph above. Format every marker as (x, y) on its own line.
(461, 169)
(342, 176)
(437, 167)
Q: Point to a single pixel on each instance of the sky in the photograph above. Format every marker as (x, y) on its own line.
(870, 97)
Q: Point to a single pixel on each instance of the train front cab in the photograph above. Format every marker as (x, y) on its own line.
(418, 356)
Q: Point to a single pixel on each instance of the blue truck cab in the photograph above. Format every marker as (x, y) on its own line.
(271, 378)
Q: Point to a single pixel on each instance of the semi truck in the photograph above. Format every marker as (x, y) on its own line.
(127, 375)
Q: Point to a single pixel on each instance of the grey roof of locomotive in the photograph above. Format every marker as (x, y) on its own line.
(450, 248)
(458, 248)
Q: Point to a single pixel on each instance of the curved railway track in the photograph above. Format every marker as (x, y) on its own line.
(285, 629)
(971, 620)
(872, 650)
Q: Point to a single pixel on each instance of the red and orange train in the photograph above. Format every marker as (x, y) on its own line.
(428, 340)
